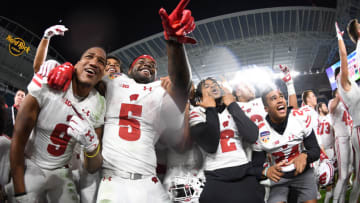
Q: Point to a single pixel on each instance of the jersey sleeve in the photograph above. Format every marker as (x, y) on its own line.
(306, 119)
(36, 88)
(197, 115)
(108, 78)
(99, 114)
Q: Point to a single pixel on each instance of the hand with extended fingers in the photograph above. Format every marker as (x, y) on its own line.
(55, 30)
(82, 131)
(286, 71)
(178, 24)
(60, 77)
(47, 66)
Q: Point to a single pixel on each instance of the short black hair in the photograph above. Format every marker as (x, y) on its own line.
(264, 93)
(118, 60)
(198, 91)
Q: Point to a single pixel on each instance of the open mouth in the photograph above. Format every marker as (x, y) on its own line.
(111, 70)
(90, 71)
(281, 108)
(145, 71)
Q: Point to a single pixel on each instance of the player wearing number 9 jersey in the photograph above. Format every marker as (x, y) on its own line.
(288, 137)
(48, 115)
(219, 127)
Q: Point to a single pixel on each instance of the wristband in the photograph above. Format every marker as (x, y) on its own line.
(290, 88)
(20, 194)
(96, 153)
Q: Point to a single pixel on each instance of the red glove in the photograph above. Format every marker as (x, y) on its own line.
(178, 24)
(286, 71)
(60, 77)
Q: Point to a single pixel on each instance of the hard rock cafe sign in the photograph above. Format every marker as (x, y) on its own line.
(17, 46)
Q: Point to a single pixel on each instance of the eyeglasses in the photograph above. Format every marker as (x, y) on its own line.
(116, 64)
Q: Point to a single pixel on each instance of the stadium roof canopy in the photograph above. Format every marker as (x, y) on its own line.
(301, 38)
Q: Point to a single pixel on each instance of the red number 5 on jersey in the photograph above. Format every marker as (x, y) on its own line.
(129, 127)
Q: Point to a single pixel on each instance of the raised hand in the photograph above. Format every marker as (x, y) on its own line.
(55, 30)
(47, 66)
(60, 77)
(286, 71)
(178, 24)
(82, 131)
(339, 33)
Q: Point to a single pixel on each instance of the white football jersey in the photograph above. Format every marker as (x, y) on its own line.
(49, 145)
(288, 145)
(137, 114)
(341, 120)
(230, 151)
(325, 131)
(352, 100)
(255, 111)
(314, 119)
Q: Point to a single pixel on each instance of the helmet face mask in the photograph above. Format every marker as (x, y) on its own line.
(185, 188)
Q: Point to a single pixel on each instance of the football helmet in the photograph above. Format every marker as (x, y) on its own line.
(185, 189)
(325, 172)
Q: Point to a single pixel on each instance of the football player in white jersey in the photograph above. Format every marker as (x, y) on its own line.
(49, 124)
(350, 93)
(86, 183)
(219, 127)
(139, 111)
(288, 136)
(341, 122)
(326, 132)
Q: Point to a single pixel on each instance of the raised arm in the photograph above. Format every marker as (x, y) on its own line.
(176, 26)
(42, 50)
(344, 72)
(290, 86)
(25, 121)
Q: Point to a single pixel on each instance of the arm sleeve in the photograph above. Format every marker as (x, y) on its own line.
(257, 164)
(207, 134)
(312, 147)
(246, 128)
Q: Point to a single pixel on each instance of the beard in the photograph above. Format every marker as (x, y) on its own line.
(139, 78)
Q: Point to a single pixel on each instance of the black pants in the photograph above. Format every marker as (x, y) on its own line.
(244, 190)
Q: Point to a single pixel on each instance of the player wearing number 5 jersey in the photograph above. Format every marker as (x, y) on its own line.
(288, 137)
(56, 121)
(139, 110)
(220, 127)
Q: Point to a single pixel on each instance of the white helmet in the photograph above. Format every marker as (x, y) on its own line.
(185, 189)
(325, 172)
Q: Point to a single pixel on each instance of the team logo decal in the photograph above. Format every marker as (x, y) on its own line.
(265, 136)
(114, 75)
(17, 46)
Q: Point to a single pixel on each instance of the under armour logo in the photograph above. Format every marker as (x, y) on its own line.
(145, 88)
(88, 134)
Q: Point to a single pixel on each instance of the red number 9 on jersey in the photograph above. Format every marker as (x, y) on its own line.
(129, 127)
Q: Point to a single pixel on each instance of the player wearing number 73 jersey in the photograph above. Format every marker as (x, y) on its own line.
(284, 135)
(59, 120)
